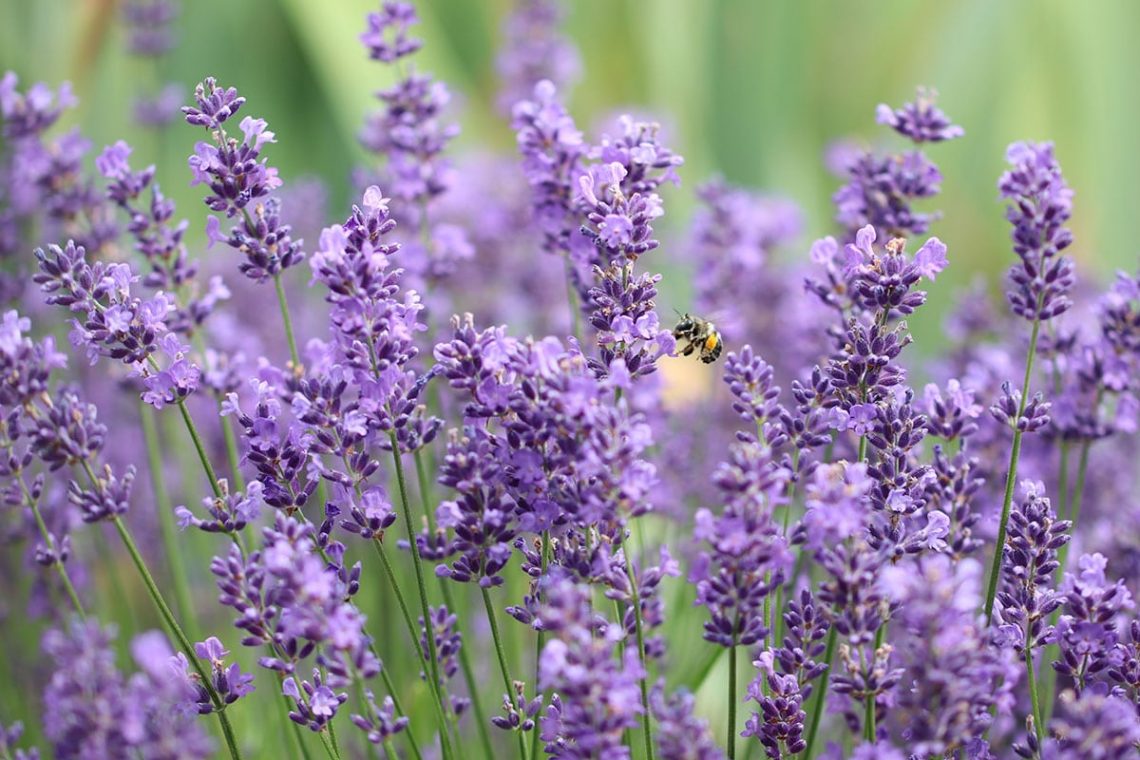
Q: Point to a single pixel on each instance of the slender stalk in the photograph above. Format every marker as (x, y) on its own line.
(433, 663)
(168, 617)
(200, 448)
(731, 700)
(45, 535)
(170, 543)
(636, 601)
(1075, 508)
(332, 738)
(469, 678)
(778, 616)
(1011, 476)
(1048, 675)
(413, 632)
(390, 751)
(1063, 482)
(232, 454)
(287, 321)
(869, 729)
(821, 692)
(869, 708)
(572, 300)
(299, 740)
(1034, 698)
(391, 687)
(508, 682)
(540, 644)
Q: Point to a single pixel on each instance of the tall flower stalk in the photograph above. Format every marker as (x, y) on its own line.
(1040, 204)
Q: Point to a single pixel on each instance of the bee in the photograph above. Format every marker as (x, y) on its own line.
(693, 334)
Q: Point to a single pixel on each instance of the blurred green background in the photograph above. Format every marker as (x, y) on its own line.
(754, 91)
(750, 90)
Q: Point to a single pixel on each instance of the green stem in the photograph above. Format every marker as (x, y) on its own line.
(1011, 476)
(636, 601)
(1063, 482)
(540, 644)
(1075, 510)
(391, 687)
(168, 617)
(332, 739)
(572, 300)
(297, 736)
(413, 633)
(508, 682)
(869, 730)
(50, 543)
(170, 543)
(821, 693)
(232, 454)
(869, 715)
(732, 700)
(433, 665)
(1034, 698)
(287, 320)
(200, 448)
(1048, 675)
(469, 678)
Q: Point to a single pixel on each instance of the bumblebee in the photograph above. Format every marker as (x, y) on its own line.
(693, 334)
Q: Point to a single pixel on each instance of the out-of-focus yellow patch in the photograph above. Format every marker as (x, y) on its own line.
(686, 381)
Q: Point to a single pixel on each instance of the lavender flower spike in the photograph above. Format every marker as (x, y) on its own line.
(1040, 204)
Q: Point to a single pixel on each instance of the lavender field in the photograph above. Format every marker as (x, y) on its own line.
(531, 417)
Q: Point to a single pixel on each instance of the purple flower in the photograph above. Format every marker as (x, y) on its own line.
(1093, 727)
(779, 726)
(597, 698)
(954, 677)
(1027, 596)
(1033, 417)
(33, 112)
(229, 513)
(552, 149)
(881, 190)
(9, 737)
(96, 712)
(447, 642)
(679, 734)
(241, 182)
(883, 282)
(921, 120)
(747, 557)
(1040, 205)
(410, 132)
(533, 51)
(380, 723)
(318, 705)
(229, 682)
(951, 414)
(622, 310)
(387, 37)
(148, 26)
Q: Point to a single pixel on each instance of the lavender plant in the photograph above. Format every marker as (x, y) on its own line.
(449, 504)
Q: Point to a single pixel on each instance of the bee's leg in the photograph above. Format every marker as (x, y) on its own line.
(688, 349)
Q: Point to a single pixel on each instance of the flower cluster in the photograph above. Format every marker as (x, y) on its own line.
(882, 189)
(240, 183)
(375, 503)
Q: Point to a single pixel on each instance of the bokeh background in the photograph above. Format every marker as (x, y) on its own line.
(752, 91)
